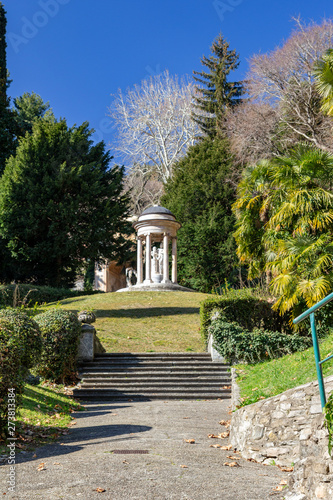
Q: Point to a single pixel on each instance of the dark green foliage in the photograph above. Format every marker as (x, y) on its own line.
(235, 343)
(329, 421)
(7, 123)
(20, 348)
(324, 320)
(216, 93)
(61, 336)
(61, 204)
(11, 374)
(29, 295)
(246, 308)
(89, 276)
(200, 195)
(28, 108)
(28, 333)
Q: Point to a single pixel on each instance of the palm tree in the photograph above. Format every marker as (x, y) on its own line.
(288, 204)
(323, 72)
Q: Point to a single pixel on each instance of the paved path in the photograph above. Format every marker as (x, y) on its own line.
(83, 462)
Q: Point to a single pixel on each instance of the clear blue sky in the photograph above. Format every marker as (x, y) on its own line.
(75, 53)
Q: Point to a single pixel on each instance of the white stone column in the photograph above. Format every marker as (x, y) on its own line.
(166, 258)
(139, 265)
(174, 261)
(147, 280)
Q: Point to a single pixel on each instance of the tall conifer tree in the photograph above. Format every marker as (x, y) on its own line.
(215, 93)
(7, 138)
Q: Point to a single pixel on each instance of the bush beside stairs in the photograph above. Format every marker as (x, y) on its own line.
(148, 376)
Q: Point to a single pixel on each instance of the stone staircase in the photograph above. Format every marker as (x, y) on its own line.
(147, 376)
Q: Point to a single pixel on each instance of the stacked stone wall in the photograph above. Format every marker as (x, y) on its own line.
(288, 430)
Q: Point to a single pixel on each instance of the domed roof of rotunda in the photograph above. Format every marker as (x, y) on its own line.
(156, 209)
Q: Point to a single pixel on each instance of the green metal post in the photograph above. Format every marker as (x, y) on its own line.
(317, 358)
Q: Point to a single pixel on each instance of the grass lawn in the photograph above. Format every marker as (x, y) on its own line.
(275, 376)
(144, 321)
(43, 416)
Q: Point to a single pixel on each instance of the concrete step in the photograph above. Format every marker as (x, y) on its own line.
(155, 380)
(111, 395)
(152, 365)
(123, 376)
(158, 385)
(149, 368)
(128, 355)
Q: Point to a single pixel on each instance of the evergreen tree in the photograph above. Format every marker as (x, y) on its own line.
(28, 108)
(61, 204)
(215, 92)
(200, 196)
(7, 125)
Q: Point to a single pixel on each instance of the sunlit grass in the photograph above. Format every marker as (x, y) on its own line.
(43, 416)
(278, 375)
(144, 321)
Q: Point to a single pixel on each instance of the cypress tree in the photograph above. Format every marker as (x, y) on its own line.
(200, 196)
(7, 126)
(215, 92)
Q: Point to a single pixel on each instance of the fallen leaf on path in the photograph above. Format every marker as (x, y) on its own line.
(34, 456)
(41, 466)
(56, 463)
(185, 418)
(215, 446)
(100, 490)
(231, 464)
(190, 441)
(227, 448)
(226, 387)
(251, 460)
(278, 488)
(113, 414)
(232, 458)
(286, 469)
(283, 481)
(226, 423)
(223, 435)
(211, 436)
(184, 467)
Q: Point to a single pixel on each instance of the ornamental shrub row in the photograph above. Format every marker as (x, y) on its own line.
(246, 308)
(20, 347)
(48, 343)
(60, 332)
(237, 344)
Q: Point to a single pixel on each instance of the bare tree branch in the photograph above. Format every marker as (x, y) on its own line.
(284, 106)
(154, 122)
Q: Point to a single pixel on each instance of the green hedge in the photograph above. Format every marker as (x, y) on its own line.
(236, 343)
(28, 333)
(27, 294)
(61, 336)
(20, 346)
(244, 307)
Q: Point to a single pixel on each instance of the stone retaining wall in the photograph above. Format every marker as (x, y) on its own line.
(285, 430)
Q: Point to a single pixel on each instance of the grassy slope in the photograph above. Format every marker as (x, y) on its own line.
(275, 376)
(145, 321)
(43, 416)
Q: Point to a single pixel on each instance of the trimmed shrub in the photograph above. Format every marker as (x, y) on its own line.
(28, 333)
(61, 335)
(235, 343)
(11, 373)
(26, 295)
(243, 307)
